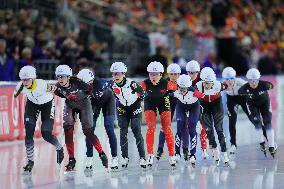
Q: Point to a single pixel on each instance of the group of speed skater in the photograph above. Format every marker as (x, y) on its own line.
(194, 97)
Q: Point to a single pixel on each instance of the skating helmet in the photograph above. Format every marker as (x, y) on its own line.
(229, 73)
(173, 68)
(118, 67)
(207, 74)
(86, 75)
(63, 70)
(155, 67)
(193, 66)
(27, 72)
(253, 74)
(184, 81)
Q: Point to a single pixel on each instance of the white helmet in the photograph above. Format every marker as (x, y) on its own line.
(27, 72)
(193, 66)
(253, 73)
(118, 67)
(63, 70)
(173, 68)
(86, 75)
(207, 74)
(155, 67)
(184, 81)
(229, 72)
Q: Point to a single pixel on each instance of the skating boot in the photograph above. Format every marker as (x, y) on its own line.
(29, 166)
(143, 163)
(71, 164)
(192, 160)
(104, 159)
(215, 155)
(89, 163)
(150, 160)
(124, 162)
(273, 150)
(263, 148)
(204, 154)
(60, 155)
(159, 153)
(172, 161)
(114, 163)
(225, 158)
(233, 149)
(178, 156)
(185, 154)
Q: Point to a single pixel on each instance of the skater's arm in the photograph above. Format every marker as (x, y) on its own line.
(18, 89)
(143, 85)
(137, 89)
(224, 86)
(171, 86)
(267, 85)
(242, 90)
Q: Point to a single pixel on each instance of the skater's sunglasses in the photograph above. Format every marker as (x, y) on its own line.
(229, 78)
(208, 82)
(253, 81)
(117, 73)
(25, 80)
(154, 73)
(183, 89)
(61, 76)
(191, 73)
(174, 74)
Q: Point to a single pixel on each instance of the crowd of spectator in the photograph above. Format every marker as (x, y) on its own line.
(238, 33)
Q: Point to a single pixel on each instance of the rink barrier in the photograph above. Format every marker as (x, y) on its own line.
(12, 114)
(12, 109)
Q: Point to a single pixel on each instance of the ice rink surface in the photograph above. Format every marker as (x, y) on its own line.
(249, 168)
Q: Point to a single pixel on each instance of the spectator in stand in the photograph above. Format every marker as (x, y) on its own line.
(159, 57)
(7, 64)
(211, 61)
(266, 64)
(26, 59)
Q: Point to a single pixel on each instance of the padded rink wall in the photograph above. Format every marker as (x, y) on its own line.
(12, 109)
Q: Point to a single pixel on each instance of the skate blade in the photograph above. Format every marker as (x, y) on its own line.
(26, 173)
(69, 172)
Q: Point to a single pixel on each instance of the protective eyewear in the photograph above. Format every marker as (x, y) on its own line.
(61, 76)
(117, 73)
(192, 73)
(229, 78)
(253, 81)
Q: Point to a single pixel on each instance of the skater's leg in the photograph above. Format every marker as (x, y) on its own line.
(136, 129)
(123, 122)
(87, 125)
(192, 123)
(266, 114)
(162, 140)
(109, 127)
(218, 115)
(68, 126)
(166, 125)
(89, 145)
(182, 132)
(232, 114)
(109, 117)
(47, 118)
(254, 117)
(150, 118)
(206, 118)
(30, 117)
(203, 137)
(245, 109)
